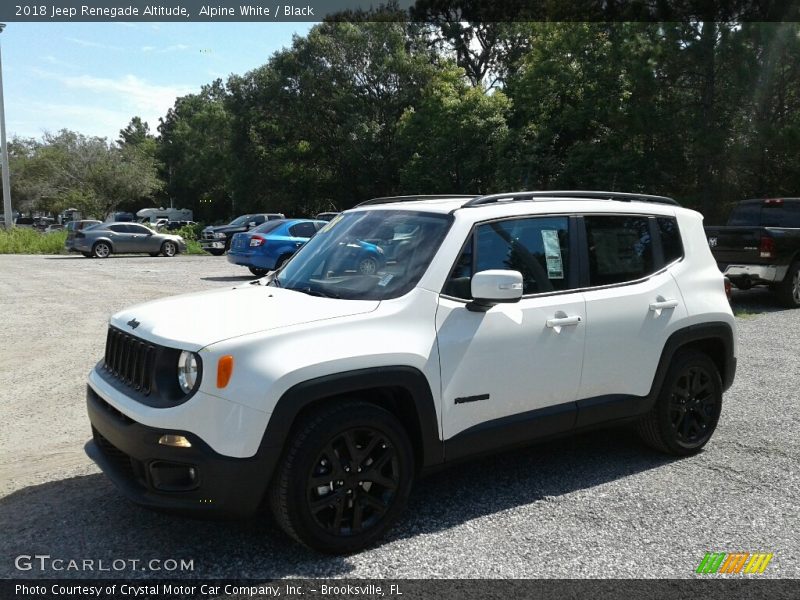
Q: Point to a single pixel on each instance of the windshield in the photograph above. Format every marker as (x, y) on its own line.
(366, 255)
(240, 220)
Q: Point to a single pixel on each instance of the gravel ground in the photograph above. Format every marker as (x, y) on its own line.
(598, 505)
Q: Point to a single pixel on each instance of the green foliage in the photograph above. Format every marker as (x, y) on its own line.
(191, 233)
(706, 112)
(68, 169)
(451, 136)
(29, 241)
(195, 152)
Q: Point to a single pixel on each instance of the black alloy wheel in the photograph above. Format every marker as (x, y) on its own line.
(344, 477)
(354, 482)
(693, 407)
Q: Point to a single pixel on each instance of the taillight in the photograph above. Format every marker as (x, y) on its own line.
(767, 247)
(728, 288)
(257, 240)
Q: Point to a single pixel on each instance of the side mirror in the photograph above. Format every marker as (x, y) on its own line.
(495, 286)
(252, 224)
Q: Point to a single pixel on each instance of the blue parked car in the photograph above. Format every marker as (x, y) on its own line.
(268, 246)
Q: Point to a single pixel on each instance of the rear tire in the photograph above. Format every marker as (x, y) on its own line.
(282, 260)
(258, 272)
(788, 290)
(154, 254)
(101, 250)
(344, 477)
(688, 406)
(87, 254)
(367, 266)
(215, 251)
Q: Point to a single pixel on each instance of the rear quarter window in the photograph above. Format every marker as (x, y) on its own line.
(671, 243)
(620, 249)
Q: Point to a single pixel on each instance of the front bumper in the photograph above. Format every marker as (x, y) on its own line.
(217, 244)
(157, 476)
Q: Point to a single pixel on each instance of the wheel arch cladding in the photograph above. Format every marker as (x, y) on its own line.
(714, 339)
(403, 391)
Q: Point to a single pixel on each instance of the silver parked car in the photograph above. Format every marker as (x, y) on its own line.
(103, 240)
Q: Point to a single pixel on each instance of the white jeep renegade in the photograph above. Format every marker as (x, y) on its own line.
(483, 323)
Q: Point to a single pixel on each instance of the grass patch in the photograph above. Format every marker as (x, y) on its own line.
(29, 241)
(745, 313)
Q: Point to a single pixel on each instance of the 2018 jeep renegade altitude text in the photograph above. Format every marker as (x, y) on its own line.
(492, 321)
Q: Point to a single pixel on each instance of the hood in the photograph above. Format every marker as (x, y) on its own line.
(193, 321)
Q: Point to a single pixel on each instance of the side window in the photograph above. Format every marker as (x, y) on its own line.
(257, 219)
(536, 247)
(137, 229)
(303, 230)
(670, 238)
(119, 228)
(620, 249)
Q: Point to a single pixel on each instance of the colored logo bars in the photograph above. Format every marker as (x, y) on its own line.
(742, 562)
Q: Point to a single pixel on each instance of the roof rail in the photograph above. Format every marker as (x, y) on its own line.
(567, 194)
(393, 199)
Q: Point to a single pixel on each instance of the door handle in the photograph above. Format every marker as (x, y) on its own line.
(661, 304)
(558, 322)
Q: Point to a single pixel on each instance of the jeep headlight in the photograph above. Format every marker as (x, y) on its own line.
(188, 370)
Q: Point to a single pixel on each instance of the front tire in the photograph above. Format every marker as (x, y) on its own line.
(344, 477)
(788, 290)
(215, 251)
(688, 406)
(169, 249)
(101, 250)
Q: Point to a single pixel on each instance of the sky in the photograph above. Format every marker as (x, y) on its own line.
(93, 77)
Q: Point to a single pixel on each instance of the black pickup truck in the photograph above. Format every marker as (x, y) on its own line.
(760, 245)
(217, 240)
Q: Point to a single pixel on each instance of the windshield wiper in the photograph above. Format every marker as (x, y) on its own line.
(315, 292)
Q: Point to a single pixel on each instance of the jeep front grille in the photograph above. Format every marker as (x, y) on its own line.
(130, 359)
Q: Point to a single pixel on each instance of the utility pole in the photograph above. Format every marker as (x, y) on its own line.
(9, 220)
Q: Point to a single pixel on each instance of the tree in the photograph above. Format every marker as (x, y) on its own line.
(452, 138)
(195, 152)
(69, 169)
(317, 125)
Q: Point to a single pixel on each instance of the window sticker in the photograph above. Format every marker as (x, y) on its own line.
(552, 254)
(384, 281)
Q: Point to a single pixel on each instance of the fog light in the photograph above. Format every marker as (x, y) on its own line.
(173, 477)
(178, 441)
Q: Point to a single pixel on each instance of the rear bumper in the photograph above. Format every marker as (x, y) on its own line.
(750, 275)
(158, 476)
(251, 260)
